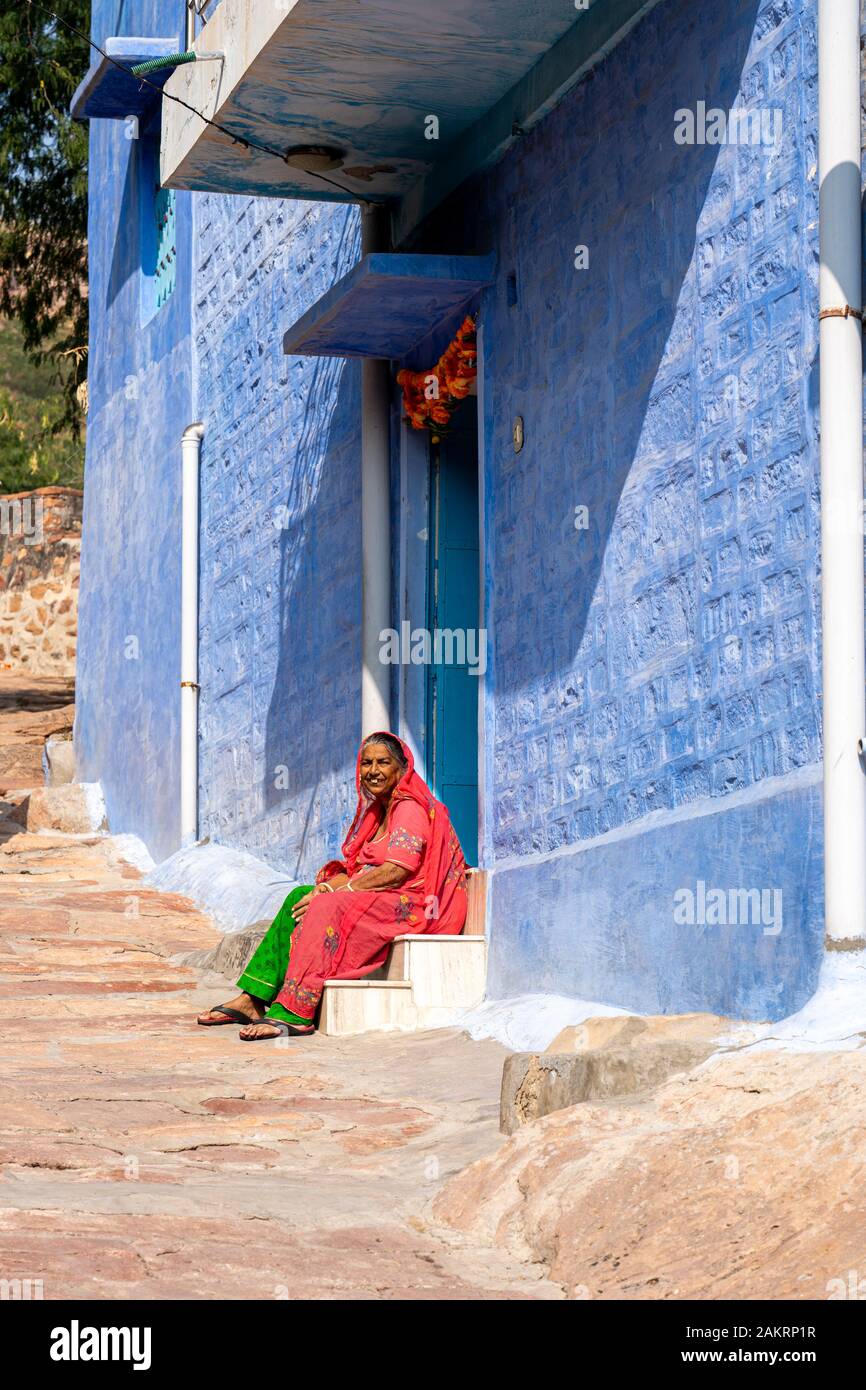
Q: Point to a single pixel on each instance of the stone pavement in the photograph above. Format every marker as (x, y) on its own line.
(144, 1157)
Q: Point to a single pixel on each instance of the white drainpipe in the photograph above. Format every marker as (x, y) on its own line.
(375, 514)
(842, 472)
(190, 452)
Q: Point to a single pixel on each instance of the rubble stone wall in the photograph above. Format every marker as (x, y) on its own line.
(40, 547)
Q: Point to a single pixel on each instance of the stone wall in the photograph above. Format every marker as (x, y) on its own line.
(40, 550)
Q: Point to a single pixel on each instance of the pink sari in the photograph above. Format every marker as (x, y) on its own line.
(346, 935)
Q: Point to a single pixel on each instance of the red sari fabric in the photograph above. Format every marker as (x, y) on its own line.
(346, 934)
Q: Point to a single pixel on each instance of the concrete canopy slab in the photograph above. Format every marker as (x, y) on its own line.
(363, 78)
(110, 92)
(387, 304)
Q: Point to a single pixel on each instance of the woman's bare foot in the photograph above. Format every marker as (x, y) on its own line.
(254, 1031)
(245, 1004)
(257, 1032)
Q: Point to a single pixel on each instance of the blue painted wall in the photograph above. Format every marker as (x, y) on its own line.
(652, 698)
(280, 534)
(280, 548)
(663, 664)
(140, 398)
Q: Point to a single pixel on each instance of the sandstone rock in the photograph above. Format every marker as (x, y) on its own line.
(745, 1179)
(58, 761)
(231, 955)
(628, 1030)
(535, 1084)
(70, 809)
(608, 1056)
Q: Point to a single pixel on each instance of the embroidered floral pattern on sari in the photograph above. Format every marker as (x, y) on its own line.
(401, 838)
(404, 911)
(457, 868)
(308, 997)
(332, 939)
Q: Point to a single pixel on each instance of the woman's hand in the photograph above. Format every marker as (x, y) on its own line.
(301, 906)
(331, 885)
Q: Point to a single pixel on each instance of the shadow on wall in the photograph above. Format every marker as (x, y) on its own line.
(590, 369)
(314, 716)
(125, 260)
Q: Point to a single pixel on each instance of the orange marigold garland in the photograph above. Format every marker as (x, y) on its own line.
(430, 397)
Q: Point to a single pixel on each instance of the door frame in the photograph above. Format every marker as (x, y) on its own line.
(411, 584)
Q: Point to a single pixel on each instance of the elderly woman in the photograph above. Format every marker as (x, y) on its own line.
(402, 871)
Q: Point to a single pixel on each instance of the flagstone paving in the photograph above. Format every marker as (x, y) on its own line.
(143, 1156)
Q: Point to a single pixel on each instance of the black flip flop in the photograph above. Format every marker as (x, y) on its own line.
(233, 1016)
(287, 1030)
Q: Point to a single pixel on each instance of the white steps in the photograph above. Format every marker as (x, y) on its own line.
(425, 979)
(360, 1006)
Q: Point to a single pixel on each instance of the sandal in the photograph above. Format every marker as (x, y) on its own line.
(286, 1030)
(233, 1016)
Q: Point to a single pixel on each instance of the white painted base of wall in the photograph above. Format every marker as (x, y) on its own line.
(134, 851)
(530, 1022)
(236, 888)
(834, 1020)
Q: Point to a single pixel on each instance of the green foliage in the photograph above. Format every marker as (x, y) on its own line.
(36, 448)
(43, 199)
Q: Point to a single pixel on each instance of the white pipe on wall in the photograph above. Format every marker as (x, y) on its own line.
(844, 669)
(190, 454)
(375, 515)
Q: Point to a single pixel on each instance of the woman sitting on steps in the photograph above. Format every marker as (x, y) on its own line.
(402, 872)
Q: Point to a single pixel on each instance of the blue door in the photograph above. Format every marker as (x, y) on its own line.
(454, 611)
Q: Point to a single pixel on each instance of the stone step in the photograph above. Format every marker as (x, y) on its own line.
(364, 1006)
(436, 975)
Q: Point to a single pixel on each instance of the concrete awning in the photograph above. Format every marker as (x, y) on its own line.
(110, 92)
(369, 79)
(387, 304)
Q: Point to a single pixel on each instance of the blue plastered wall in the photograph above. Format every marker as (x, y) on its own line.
(280, 525)
(653, 698)
(280, 534)
(127, 728)
(653, 704)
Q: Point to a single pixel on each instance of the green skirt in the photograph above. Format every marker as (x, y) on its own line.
(266, 971)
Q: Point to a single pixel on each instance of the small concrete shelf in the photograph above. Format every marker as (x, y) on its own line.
(387, 304)
(110, 92)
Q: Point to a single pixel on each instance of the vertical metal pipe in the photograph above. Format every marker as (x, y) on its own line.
(190, 454)
(189, 26)
(375, 513)
(844, 669)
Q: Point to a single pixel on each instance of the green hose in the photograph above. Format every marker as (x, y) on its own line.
(171, 60)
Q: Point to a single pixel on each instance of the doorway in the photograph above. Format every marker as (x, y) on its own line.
(453, 612)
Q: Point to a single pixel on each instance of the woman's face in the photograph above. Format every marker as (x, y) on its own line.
(380, 771)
